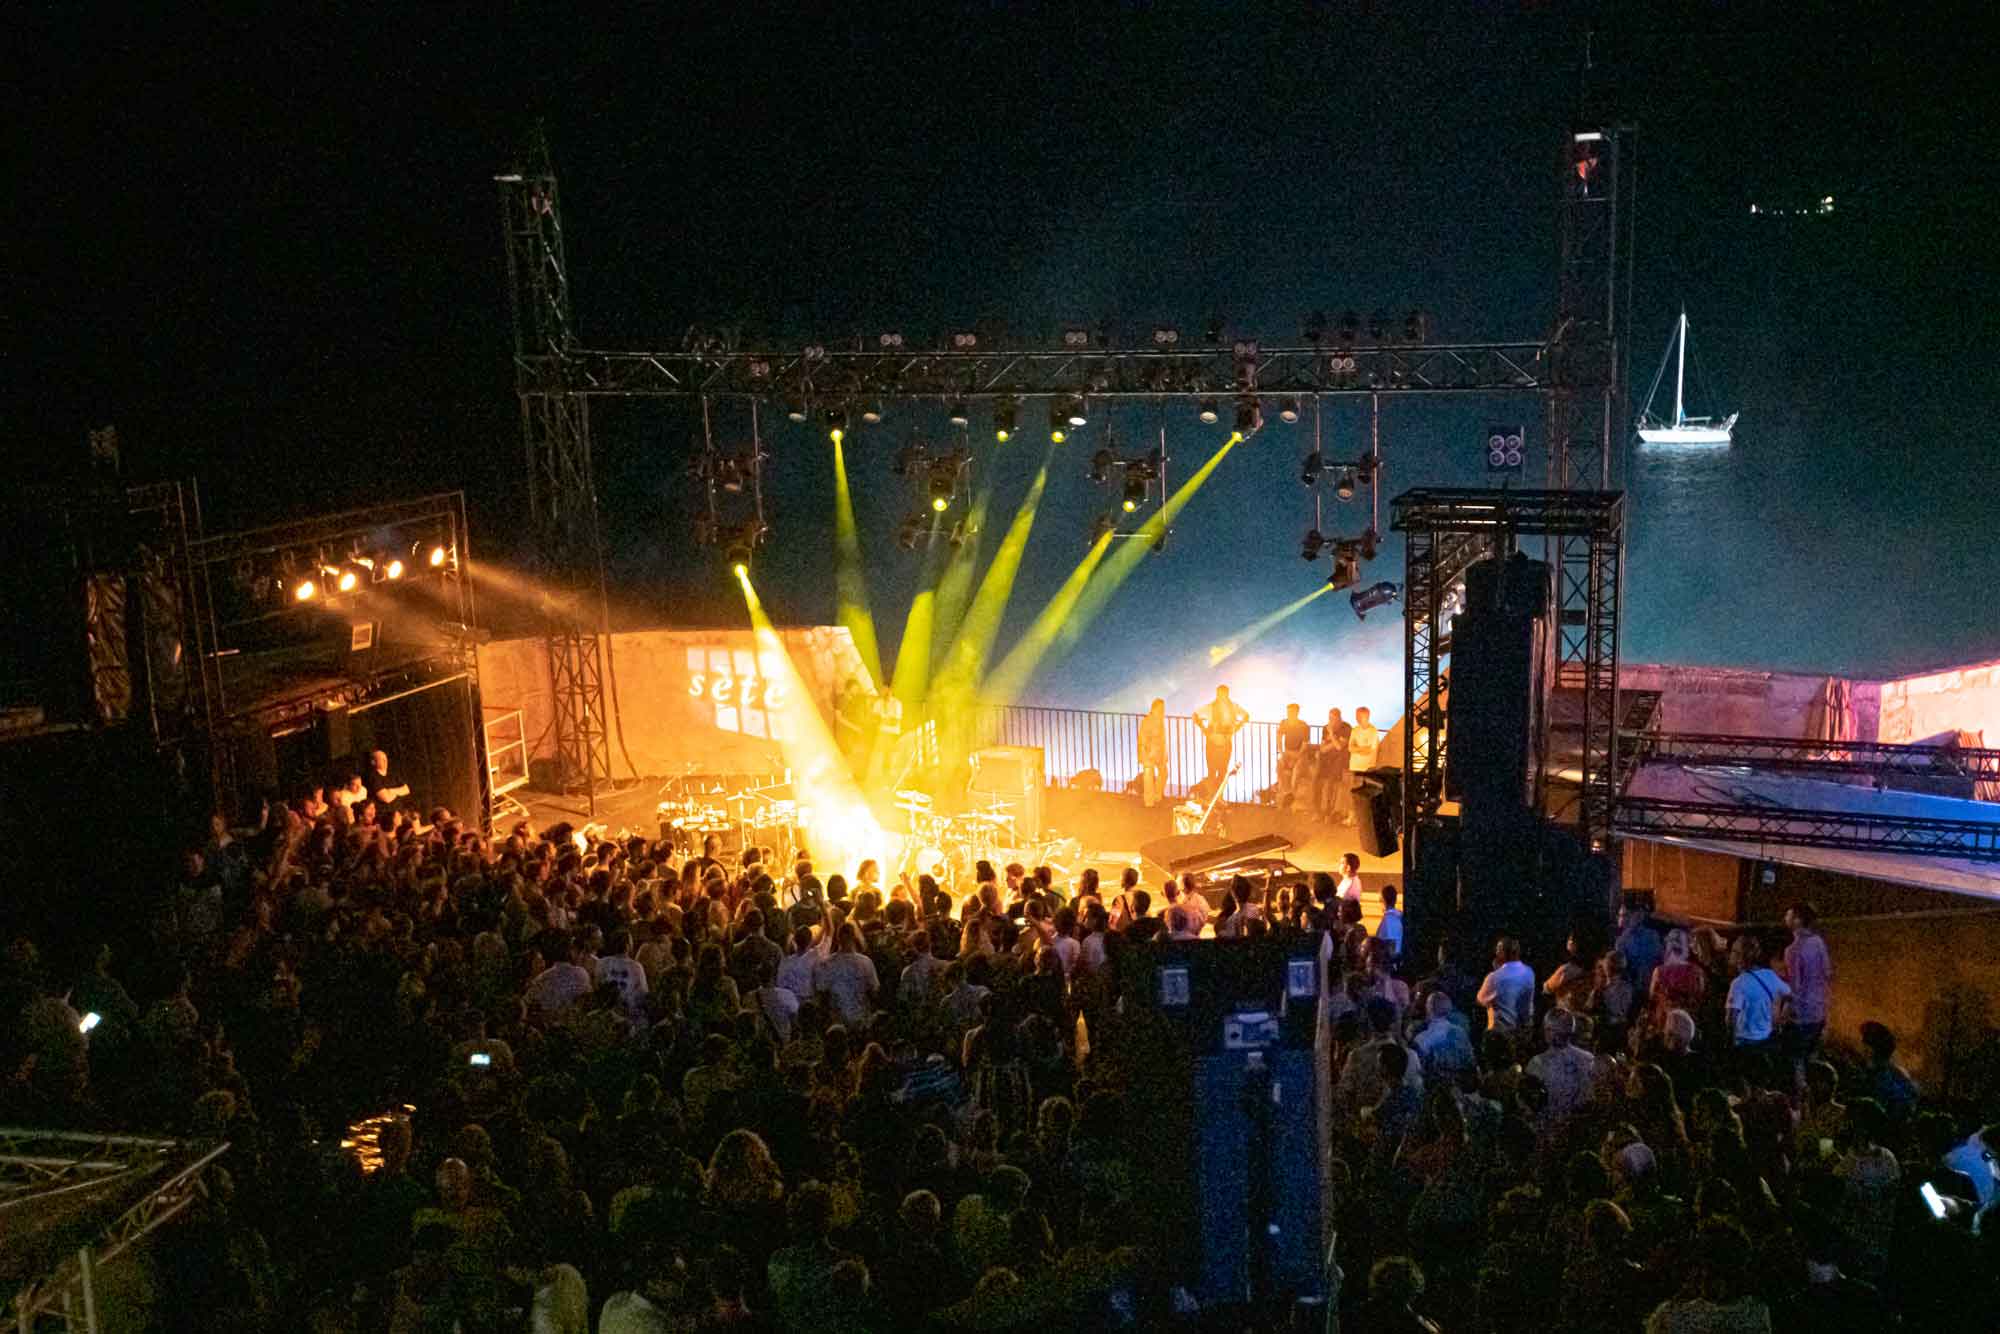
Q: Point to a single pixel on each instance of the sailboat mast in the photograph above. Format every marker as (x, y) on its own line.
(1680, 369)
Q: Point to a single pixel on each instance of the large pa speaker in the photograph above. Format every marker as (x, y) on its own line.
(1375, 804)
(1495, 645)
(1011, 774)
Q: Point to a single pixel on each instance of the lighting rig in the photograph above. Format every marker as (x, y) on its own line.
(1349, 476)
(940, 478)
(730, 486)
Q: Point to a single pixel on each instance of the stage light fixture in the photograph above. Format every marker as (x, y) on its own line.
(1249, 416)
(1288, 410)
(795, 409)
(738, 557)
(836, 422)
(1309, 468)
(1005, 413)
(305, 590)
(392, 568)
(943, 485)
(889, 341)
(1344, 488)
(1210, 412)
(1314, 543)
(1135, 490)
(1166, 337)
(956, 413)
(872, 412)
(1371, 597)
(1100, 466)
(1076, 337)
(1057, 421)
(732, 477)
(909, 534)
(1076, 411)
(1346, 566)
(437, 555)
(964, 340)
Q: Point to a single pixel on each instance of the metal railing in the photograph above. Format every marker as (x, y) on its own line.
(1074, 740)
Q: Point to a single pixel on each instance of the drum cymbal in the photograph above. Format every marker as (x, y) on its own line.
(911, 794)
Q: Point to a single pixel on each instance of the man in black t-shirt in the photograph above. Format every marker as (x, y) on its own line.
(1294, 735)
(384, 784)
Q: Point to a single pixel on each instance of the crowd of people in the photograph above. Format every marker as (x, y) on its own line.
(565, 1083)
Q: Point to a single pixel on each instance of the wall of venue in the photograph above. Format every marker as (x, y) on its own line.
(1927, 706)
(699, 698)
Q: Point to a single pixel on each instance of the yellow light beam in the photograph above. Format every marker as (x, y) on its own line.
(844, 829)
(850, 586)
(963, 661)
(956, 584)
(1005, 683)
(1118, 568)
(1257, 629)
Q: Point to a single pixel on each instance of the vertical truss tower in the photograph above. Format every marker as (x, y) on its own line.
(562, 496)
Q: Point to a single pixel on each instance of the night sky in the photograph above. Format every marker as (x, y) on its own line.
(269, 251)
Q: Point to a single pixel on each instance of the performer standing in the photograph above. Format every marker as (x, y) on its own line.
(1362, 743)
(1220, 720)
(1294, 735)
(1330, 781)
(1153, 754)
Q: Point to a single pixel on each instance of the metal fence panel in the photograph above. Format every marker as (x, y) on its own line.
(1073, 740)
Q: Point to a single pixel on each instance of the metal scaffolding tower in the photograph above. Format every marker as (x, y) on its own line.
(562, 497)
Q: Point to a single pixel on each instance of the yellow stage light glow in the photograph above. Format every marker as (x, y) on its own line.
(394, 569)
(1130, 505)
(1005, 683)
(438, 553)
(741, 570)
(305, 590)
(348, 581)
(837, 435)
(850, 584)
(940, 504)
(1001, 436)
(843, 830)
(1056, 436)
(1257, 629)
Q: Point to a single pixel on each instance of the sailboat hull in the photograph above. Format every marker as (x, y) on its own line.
(1684, 435)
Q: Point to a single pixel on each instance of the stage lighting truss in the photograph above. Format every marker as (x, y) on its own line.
(1139, 475)
(1346, 564)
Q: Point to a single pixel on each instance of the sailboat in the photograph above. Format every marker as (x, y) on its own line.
(1683, 429)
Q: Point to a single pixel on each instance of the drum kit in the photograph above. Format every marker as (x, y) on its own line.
(950, 847)
(756, 814)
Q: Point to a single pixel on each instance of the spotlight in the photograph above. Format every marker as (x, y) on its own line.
(940, 503)
(911, 531)
(1076, 411)
(1100, 466)
(438, 555)
(1248, 416)
(738, 557)
(964, 340)
(1058, 419)
(872, 412)
(350, 577)
(1310, 466)
(1314, 543)
(1076, 338)
(1346, 566)
(392, 569)
(1344, 488)
(732, 478)
(957, 413)
(1135, 491)
(1165, 337)
(1288, 410)
(1211, 412)
(305, 590)
(889, 341)
(795, 409)
(944, 484)
(1004, 413)
(1371, 597)
(836, 423)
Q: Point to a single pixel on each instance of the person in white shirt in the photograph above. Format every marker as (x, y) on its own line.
(1391, 928)
(795, 973)
(561, 984)
(1508, 993)
(1446, 1048)
(1177, 924)
(1196, 904)
(617, 968)
(920, 976)
(1064, 940)
(1350, 876)
(775, 1005)
(1756, 997)
(1362, 742)
(847, 979)
(1565, 1070)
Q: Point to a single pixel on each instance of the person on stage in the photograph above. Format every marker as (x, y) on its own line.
(1294, 736)
(1330, 781)
(1362, 743)
(1220, 720)
(1153, 754)
(384, 784)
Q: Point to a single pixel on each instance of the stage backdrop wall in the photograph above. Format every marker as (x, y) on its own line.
(695, 698)
(1962, 699)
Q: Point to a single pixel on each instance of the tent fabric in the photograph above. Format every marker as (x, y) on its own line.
(1749, 789)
